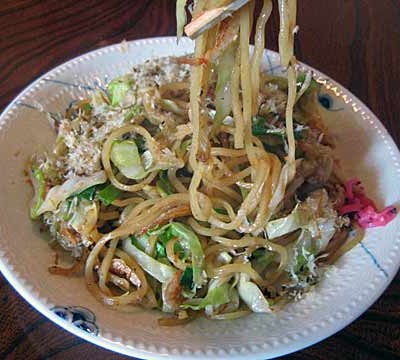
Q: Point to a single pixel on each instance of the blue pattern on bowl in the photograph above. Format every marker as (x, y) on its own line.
(81, 317)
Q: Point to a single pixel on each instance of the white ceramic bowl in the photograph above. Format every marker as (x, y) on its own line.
(347, 290)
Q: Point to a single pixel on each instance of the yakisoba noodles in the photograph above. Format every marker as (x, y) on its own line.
(200, 185)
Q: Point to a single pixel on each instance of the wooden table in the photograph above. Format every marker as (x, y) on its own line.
(356, 42)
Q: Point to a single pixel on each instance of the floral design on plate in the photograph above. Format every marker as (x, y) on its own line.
(81, 317)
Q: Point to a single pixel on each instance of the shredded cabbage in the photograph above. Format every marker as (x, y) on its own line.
(215, 297)
(251, 294)
(162, 272)
(223, 89)
(118, 89)
(189, 240)
(180, 17)
(74, 185)
(315, 214)
(125, 156)
(39, 185)
(84, 217)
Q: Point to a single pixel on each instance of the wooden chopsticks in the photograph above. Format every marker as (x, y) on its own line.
(210, 18)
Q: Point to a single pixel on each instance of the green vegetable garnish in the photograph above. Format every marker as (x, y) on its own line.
(178, 249)
(160, 250)
(108, 194)
(156, 268)
(165, 236)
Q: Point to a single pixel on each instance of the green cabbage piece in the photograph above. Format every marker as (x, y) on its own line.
(125, 156)
(118, 89)
(84, 217)
(160, 271)
(223, 89)
(187, 278)
(315, 215)
(108, 194)
(39, 185)
(215, 297)
(188, 239)
(72, 186)
(188, 242)
(180, 17)
(251, 294)
(88, 194)
(163, 185)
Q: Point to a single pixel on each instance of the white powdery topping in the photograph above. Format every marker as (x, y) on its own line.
(273, 86)
(159, 72)
(84, 138)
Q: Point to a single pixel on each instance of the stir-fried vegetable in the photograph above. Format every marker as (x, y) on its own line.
(262, 127)
(187, 278)
(315, 214)
(39, 186)
(108, 194)
(125, 156)
(74, 185)
(164, 186)
(180, 17)
(190, 241)
(118, 89)
(251, 294)
(217, 296)
(84, 217)
(158, 270)
(223, 90)
(88, 194)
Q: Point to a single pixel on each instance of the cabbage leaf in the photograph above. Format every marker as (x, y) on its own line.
(162, 272)
(217, 296)
(72, 186)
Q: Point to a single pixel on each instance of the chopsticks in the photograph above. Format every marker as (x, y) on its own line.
(210, 18)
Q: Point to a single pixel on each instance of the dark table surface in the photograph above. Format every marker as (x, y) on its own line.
(356, 42)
